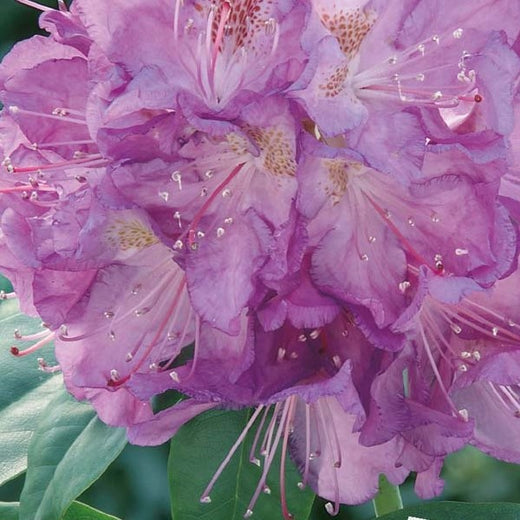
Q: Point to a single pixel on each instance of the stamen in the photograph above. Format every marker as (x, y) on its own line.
(224, 16)
(238, 442)
(511, 398)
(437, 333)
(30, 337)
(506, 397)
(274, 29)
(178, 5)
(14, 189)
(196, 220)
(92, 161)
(42, 365)
(333, 511)
(195, 348)
(153, 342)
(252, 458)
(15, 351)
(271, 455)
(303, 484)
(385, 215)
(181, 338)
(35, 5)
(480, 323)
(15, 110)
(268, 436)
(7, 296)
(285, 511)
(435, 369)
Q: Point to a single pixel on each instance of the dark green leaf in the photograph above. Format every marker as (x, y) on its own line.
(456, 511)
(9, 510)
(79, 511)
(24, 391)
(195, 454)
(70, 449)
(5, 284)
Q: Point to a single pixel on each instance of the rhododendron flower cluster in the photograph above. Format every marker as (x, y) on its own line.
(314, 202)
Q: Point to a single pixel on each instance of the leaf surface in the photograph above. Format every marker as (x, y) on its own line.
(24, 390)
(456, 511)
(70, 449)
(197, 451)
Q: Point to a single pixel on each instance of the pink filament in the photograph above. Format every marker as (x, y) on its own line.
(252, 457)
(137, 366)
(35, 5)
(231, 452)
(224, 15)
(33, 348)
(210, 199)
(285, 511)
(271, 455)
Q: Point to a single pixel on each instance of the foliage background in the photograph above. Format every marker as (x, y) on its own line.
(135, 486)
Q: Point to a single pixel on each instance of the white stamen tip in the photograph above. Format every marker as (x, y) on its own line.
(175, 378)
(404, 286)
(457, 33)
(205, 499)
(464, 414)
(248, 513)
(329, 508)
(315, 333)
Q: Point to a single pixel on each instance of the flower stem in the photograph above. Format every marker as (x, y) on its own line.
(388, 499)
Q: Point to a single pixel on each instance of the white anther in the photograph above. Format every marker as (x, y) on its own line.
(457, 33)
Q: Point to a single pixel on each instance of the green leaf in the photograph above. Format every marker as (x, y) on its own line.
(79, 511)
(9, 510)
(24, 391)
(195, 454)
(388, 498)
(5, 284)
(456, 511)
(70, 449)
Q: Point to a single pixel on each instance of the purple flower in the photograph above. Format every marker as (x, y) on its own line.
(379, 55)
(379, 227)
(316, 205)
(207, 58)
